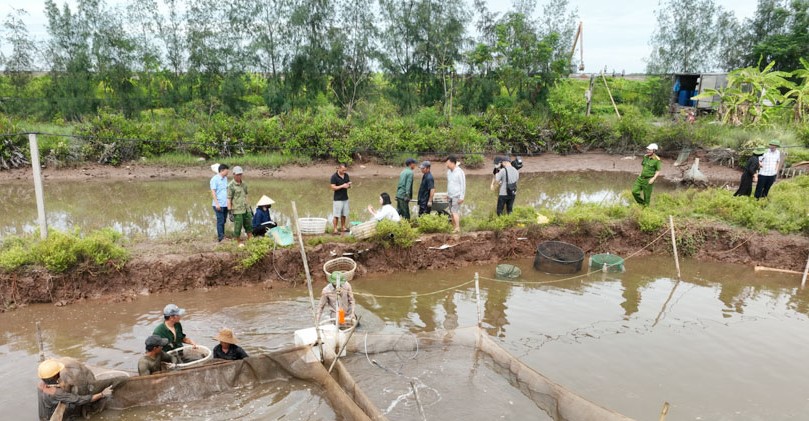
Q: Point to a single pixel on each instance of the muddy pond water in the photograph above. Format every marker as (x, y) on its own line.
(157, 208)
(724, 344)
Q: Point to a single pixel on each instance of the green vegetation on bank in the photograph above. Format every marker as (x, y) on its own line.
(62, 251)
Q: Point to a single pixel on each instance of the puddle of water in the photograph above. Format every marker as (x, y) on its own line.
(728, 344)
(157, 208)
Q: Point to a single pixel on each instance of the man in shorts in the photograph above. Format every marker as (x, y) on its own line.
(340, 183)
(456, 190)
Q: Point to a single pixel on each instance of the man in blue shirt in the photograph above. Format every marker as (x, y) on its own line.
(219, 191)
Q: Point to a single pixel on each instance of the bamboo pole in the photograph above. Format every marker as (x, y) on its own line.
(40, 343)
(674, 246)
(766, 269)
(664, 411)
(418, 401)
(308, 277)
(805, 272)
(615, 107)
(38, 190)
(477, 299)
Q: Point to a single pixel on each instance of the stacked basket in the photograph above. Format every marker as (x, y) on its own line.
(312, 226)
(364, 230)
(344, 264)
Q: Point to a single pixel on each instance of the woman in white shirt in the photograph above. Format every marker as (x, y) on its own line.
(387, 211)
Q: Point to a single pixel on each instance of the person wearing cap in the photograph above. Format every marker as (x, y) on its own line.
(644, 184)
(340, 183)
(172, 329)
(152, 361)
(337, 294)
(387, 211)
(505, 181)
(404, 191)
(239, 206)
(426, 189)
(262, 220)
(456, 190)
(750, 173)
(219, 191)
(228, 348)
(769, 163)
(51, 392)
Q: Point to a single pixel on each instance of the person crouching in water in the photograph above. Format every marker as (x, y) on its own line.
(337, 294)
(152, 361)
(228, 348)
(262, 221)
(71, 384)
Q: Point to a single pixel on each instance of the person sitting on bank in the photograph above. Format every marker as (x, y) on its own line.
(262, 221)
(337, 294)
(171, 328)
(228, 348)
(387, 211)
(51, 392)
(152, 361)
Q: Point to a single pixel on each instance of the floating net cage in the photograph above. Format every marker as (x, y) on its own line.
(615, 264)
(506, 271)
(558, 257)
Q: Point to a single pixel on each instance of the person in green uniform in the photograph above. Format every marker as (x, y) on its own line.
(642, 189)
(404, 191)
(239, 207)
(171, 328)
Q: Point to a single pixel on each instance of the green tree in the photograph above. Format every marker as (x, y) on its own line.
(354, 47)
(779, 31)
(19, 65)
(685, 38)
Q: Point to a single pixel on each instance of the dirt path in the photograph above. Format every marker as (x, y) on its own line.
(718, 175)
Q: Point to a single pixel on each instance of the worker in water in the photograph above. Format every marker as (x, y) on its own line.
(228, 348)
(338, 297)
(642, 189)
(76, 401)
(152, 361)
(172, 329)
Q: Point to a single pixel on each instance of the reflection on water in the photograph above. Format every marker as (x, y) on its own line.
(156, 208)
(726, 344)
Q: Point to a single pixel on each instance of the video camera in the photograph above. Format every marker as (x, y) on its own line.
(498, 164)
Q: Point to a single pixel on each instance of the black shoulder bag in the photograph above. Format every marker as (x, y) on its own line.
(511, 188)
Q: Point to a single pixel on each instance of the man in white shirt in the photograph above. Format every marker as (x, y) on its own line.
(770, 162)
(456, 190)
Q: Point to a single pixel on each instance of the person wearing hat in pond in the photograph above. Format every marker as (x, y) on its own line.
(769, 163)
(426, 189)
(644, 184)
(404, 191)
(51, 392)
(228, 348)
(152, 361)
(262, 221)
(239, 206)
(750, 173)
(219, 191)
(337, 294)
(172, 329)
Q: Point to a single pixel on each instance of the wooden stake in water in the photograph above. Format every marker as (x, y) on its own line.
(40, 343)
(674, 246)
(418, 401)
(664, 411)
(308, 277)
(38, 190)
(477, 298)
(805, 272)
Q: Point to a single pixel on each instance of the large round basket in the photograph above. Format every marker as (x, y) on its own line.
(312, 226)
(558, 257)
(364, 230)
(343, 264)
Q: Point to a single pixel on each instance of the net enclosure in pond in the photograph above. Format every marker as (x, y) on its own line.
(613, 262)
(558, 257)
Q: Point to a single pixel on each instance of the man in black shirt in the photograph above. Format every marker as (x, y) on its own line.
(340, 183)
(426, 189)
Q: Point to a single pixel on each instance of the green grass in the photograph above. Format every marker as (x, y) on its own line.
(62, 251)
(271, 160)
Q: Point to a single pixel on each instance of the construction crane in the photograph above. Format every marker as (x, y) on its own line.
(580, 40)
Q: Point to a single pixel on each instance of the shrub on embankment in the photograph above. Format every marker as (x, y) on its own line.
(62, 251)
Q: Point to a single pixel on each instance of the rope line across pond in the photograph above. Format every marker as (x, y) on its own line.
(365, 294)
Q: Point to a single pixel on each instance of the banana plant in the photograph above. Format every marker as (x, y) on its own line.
(800, 93)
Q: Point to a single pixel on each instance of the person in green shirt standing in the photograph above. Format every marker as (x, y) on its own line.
(642, 189)
(239, 207)
(404, 191)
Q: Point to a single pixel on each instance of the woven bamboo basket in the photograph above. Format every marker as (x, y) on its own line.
(312, 226)
(344, 264)
(364, 230)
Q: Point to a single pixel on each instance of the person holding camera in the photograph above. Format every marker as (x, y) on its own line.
(505, 180)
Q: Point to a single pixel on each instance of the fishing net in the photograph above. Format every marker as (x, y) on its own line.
(615, 264)
(558, 257)
(506, 271)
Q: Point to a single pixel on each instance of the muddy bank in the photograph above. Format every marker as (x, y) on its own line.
(283, 268)
(593, 161)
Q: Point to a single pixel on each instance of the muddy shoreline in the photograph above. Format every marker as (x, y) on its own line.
(147, 274)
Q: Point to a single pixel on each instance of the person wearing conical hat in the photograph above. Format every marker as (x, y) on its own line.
(770, 163)
(228, 348)
(262, 220)
(51, 392)
(750, 173)
(337, 294)
(644, 184)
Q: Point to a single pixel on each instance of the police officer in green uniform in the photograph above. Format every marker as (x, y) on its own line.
(642, 189)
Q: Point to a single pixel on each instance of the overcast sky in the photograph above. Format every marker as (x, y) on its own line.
(616, 33)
